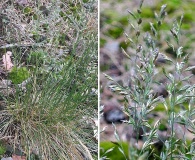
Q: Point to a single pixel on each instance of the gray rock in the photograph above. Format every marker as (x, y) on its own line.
(114, 115)
(8, 158)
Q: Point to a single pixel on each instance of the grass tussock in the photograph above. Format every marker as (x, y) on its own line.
(49, 115)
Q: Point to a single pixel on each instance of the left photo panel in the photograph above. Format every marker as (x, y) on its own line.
(49, 80)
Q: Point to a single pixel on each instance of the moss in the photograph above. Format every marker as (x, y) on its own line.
(18, 75)
(124, 45)
(123, 20)
(27, 10)
(115, 32)
(102, 42)
(115, 153)
(146, 27)
(162, 127)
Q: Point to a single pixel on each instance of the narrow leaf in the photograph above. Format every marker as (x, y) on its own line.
(167, 58)
(109, 150)
(125, 53)
(133, 15)
(115, 132)
(187, 78)
(191, 131)
(121, 150)
(156, 16)
(129, 38)
(141, 3)
(190, 68)
(174, 34)
(153, 29)
(184, 88)
(144, 156)
(181, 20)
(108, 77)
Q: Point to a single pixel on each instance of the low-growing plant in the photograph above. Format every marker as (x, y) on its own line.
(141, 100)
(50, 113)
(18, 75)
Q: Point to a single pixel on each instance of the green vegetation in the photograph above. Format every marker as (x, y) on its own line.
(2, 149)
(18, 75)
(165, 136)
(49, 111)
(110, 150)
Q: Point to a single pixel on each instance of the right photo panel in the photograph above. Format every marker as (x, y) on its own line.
(147, 80)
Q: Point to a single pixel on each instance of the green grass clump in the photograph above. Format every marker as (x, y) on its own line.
(115, 32)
